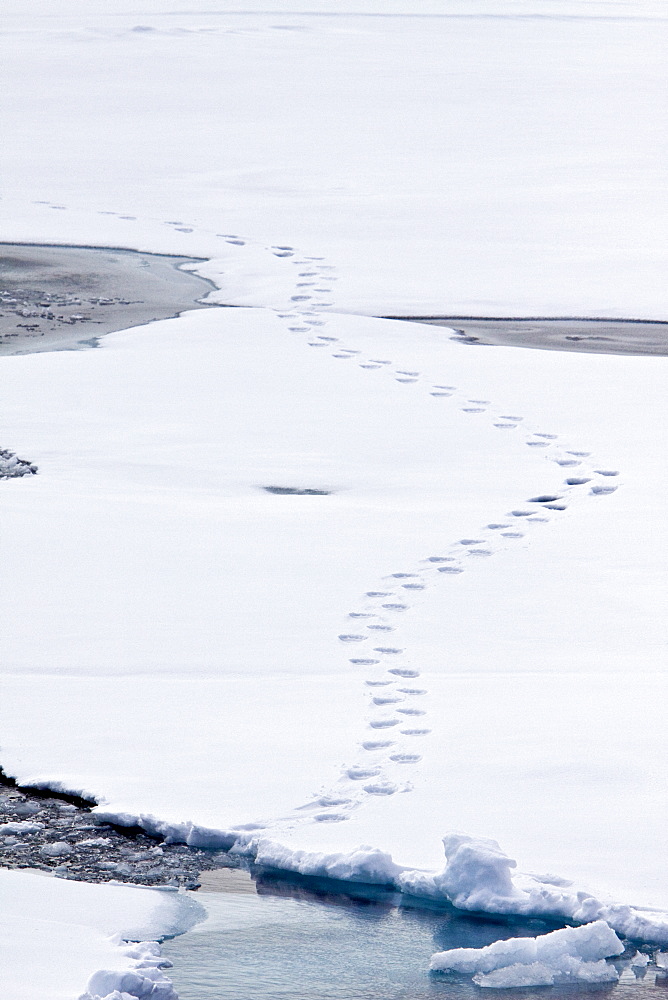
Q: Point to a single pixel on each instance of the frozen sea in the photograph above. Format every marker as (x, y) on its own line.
(314, 586)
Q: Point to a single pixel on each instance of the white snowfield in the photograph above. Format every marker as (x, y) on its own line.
(453, 621)
(485, 157)
(444, 641)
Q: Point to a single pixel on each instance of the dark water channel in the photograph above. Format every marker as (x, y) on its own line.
(589, 335)
(63, 297)
(278, 939)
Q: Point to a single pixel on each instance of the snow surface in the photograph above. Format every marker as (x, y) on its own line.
(494, 157)
(177, 641)
(215, 611)
(55, 932)
(566, 955)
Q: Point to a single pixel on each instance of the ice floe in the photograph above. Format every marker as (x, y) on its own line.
(566, 955)
(57, 933)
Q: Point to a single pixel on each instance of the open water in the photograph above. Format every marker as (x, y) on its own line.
(306, 939)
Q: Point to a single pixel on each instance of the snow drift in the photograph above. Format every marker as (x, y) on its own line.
(366, 864)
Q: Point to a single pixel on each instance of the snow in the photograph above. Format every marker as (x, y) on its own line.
(477, 873)
(366, 864)
(479, 876)
(167, 619)
(476, 162)
(55, 933)
(218, 607)
(572, 953)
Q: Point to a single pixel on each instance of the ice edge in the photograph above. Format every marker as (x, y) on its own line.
(476, 877)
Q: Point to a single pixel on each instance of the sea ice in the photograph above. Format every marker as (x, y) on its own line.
(366, 864)
(160, 606)
(230, 615)
(572, 953)
(56, 933)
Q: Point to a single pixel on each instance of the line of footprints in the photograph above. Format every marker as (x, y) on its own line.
(397, 721)
(397, 724)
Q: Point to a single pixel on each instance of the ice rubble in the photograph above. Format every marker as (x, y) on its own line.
(145, 981)
(572, 953)
(13, 467)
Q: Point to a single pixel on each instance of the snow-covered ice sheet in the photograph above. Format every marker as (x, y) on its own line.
(57, 935)
(180, 635)
(490, 158)
(170, 629)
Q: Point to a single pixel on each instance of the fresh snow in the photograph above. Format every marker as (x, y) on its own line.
(195, 651)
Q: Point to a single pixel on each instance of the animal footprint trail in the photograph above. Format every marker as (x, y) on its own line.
(390, 706)
(395, 718)
(388, 675)
(390, 700)
(394, 706)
